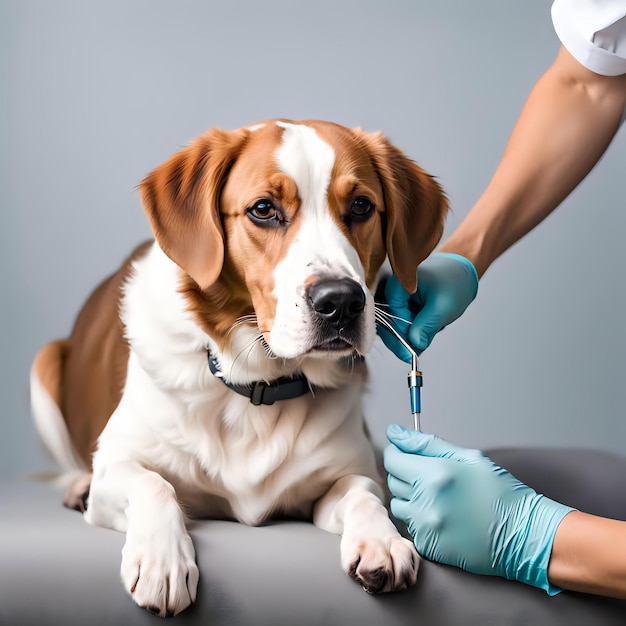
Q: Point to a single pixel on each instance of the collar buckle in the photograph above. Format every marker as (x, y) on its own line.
(257, 393)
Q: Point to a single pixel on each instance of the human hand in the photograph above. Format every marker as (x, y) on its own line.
(464, 510)
(446, 285)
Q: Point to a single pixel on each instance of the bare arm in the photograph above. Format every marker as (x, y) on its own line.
(589, 555)
(567, 123)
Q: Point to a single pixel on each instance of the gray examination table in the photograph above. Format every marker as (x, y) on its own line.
(57, 570)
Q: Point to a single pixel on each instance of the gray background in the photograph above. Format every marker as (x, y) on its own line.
(95, 94)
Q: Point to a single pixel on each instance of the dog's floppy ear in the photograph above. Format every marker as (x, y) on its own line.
(416, 208)
(181, 200)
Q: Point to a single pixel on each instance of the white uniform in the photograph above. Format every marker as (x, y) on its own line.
(593, 32)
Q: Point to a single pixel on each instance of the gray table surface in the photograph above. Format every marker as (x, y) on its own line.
(57, 570)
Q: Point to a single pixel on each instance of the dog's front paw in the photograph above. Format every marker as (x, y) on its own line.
(159, 570)
(380, 565)
(76, 495)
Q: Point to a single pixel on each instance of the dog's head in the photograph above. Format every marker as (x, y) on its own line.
(291, 222)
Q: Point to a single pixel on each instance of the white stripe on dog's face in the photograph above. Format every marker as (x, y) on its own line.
(319, 249)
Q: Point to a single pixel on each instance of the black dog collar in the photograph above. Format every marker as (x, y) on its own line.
(261, 392)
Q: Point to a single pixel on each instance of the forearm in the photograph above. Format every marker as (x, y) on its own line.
(589, 555)
(567, 123)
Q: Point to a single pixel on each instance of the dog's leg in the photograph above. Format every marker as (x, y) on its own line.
(158, 560)
(372, 550)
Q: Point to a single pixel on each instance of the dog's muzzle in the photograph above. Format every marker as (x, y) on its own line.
(337, 305)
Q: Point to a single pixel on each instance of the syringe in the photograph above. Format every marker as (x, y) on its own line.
(414, 377)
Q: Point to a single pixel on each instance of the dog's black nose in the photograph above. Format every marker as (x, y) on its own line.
(337, 301)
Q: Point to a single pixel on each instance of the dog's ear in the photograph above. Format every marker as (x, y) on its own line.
(416, 208)
(181, 200)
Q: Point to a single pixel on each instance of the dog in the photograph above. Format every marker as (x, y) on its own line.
(219, 372)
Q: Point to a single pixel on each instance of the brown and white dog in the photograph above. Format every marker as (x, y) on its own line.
(269, 240)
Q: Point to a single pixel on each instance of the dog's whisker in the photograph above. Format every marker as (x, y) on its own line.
(385, 316)
(244, 353)
(244, 319)
(268, 351)
(249, 319)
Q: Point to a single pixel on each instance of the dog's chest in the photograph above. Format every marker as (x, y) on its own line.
(251, 462)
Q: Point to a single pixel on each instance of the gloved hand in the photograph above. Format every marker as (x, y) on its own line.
(464, 510)
(446, 285)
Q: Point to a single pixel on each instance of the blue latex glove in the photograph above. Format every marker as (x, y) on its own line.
(464, 510)
(446, 285)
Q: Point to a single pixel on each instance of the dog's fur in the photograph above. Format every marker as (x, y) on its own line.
(250, 227)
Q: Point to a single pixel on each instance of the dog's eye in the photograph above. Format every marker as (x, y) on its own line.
(263, 212)
(361, 208)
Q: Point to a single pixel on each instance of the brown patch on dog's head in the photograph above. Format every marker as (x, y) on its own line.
(356, 184)
(254, 250)
(197, 204)
(415, 207)
(411, 206)
(181, 200)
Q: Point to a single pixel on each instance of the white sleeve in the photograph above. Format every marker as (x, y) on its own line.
(593, 32)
